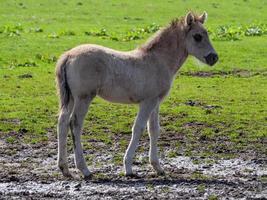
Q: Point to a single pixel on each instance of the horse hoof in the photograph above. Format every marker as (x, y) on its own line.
(67, 174)
(65, 171)
(161, 173)
(133, 176)
(88, 177)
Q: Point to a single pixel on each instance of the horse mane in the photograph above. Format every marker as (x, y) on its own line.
(163, 36)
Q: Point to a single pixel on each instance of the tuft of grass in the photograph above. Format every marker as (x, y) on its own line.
(53, 35)
(27, 63)
(117, 159)
(36, 30)
(213, 197)
(172, 154)
(227, 33)
(100, 176)
(263, 178)
(233, 33)
(46, 58)
(98, 33)
(12, 30)
(201, 188)
(199, 176)
(130, 35)
(11, 139)
(67, 33)
(150, 186)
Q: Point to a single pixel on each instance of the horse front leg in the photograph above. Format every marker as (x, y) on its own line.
(139, 126)
(154, 132)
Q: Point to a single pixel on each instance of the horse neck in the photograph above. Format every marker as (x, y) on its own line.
(170, 50)
(174, 56)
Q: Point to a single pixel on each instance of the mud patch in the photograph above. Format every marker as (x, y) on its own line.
(236, 73)
(12, 121)
(30, 171)
(25, 76)
(203, 105)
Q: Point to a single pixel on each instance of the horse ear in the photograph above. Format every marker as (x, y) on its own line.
(203, 17)
(189, 19)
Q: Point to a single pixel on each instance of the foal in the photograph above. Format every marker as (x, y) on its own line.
(143, 76)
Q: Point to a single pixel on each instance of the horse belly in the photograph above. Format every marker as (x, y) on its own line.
(118, 95)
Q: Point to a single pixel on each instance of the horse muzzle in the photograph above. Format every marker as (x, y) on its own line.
(211, 59)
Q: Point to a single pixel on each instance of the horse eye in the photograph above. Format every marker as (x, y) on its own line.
(197, 37)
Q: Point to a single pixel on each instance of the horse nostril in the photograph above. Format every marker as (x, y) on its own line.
(211, 59)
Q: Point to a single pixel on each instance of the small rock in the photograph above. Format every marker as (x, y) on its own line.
(13, 179)
(67, 187)
(79, 185)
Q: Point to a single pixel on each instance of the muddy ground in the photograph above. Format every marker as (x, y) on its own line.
(30, 172)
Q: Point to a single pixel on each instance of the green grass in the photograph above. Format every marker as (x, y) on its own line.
(201, 188)
(230, 108)
(213, 197)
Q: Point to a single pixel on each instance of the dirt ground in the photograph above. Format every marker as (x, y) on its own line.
(30, 172)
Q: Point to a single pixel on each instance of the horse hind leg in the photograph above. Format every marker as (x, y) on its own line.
(80, 109)
(62, 130)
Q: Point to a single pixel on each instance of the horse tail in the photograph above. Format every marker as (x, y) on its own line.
(61, 80)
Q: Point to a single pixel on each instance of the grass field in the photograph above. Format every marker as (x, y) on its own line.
(216, 111)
